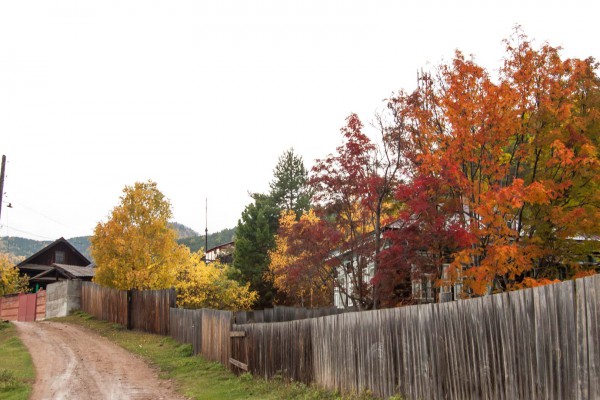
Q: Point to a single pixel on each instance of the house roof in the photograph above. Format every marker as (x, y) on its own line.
(57, 241)
(34, 267)
(76, 271)
(68, 271)
(220, 247)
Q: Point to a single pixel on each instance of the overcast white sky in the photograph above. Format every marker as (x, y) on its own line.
(204, 96)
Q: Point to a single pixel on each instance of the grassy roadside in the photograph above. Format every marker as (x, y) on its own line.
(196, 377)
(16, 368)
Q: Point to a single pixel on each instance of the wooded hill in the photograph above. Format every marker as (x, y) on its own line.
(23, 248)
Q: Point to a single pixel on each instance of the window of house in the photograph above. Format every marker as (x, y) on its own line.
(59, 257)
(417, 289)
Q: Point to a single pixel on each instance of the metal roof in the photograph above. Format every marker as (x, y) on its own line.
(75, 270)
(68, 271)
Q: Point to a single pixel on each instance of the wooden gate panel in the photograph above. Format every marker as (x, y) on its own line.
(27, 305)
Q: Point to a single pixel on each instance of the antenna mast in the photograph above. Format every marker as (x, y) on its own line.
(206, 226)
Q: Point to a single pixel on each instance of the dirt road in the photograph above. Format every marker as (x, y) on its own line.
(74, 363)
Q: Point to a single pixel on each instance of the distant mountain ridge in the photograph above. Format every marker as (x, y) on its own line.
(183, 231)
(23, 248)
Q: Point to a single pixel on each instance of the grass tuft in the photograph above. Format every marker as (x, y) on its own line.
(16, 368)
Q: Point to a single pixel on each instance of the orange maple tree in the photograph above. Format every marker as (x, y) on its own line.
(518, 157)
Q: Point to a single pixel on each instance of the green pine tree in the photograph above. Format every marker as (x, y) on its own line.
(289, 188)
(255, 236)
(257, 227)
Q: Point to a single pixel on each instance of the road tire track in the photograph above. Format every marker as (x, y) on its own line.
(72, 362)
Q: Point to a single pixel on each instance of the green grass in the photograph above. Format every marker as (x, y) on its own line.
(196, 377)
(16, 368)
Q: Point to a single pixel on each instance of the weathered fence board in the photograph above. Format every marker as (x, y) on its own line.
(283, 314)
(270, 349)
(104, 303)
(146, 310)
(216, 326)
(531, 344)
(150, 310)
(588, 337)
(186, 327)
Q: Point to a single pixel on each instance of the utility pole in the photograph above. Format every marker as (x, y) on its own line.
(2, 182)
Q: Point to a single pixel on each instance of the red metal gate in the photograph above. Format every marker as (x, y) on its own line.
(27, 306)
(23, 307)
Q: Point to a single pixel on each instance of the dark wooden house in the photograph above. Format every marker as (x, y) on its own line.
(50, 262)
(61, 272)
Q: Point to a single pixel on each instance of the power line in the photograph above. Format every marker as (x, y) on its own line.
(28, 233)
(39, 213)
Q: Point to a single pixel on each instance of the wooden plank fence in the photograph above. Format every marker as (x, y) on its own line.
(269, 349)
(149, 310)
(146, 310)
(105, 303)
(283, 314)
(539, 343)
(216, 328)
(531, 344)
(186, 327)
(9, 307)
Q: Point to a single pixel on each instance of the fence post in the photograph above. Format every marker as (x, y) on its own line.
(129, 313)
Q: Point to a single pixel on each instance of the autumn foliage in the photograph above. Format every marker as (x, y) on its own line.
(202, 285)
(509, 164)
(297, 263)
(10, 280)
(136, 248)
(482, 182)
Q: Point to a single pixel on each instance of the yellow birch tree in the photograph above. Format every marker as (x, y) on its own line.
(136, 248)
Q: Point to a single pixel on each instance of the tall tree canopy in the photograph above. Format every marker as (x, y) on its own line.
(289, 187)
(489, 183)
(353, 189)
(136, 248)
(511, 162)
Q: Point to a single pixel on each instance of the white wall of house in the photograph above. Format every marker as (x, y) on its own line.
(345, 285)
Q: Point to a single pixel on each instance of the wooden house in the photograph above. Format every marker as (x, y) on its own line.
(53, 263)
(222, 253)
(61, 272)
